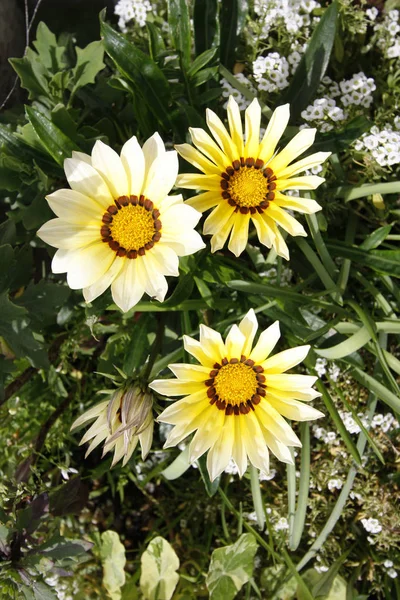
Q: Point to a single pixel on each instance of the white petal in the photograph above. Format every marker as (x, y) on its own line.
(234, 343)
(109, 164)
(239, 234)
(235, 125)
(264, 232)
(161, 177)
(207, 146)
(90, 414)
(195, 349)
(301, 205)
(266, 343)
(83, 178)
(206, 436)
(166, 260)
(188, 242)
(156, 285)
(61, 260)
(256, 448)
(82, 156)
(126, 289)
(308, 182)
(290, 382)
(197, 159)
(248, 326)
(212, 343)
(276, 424)
(220, 133)
(146, 438)
(285, 360)
(239, 454)
(297, 411)
(281, 451)
(89, 264)
(132, 158)
(74, 207)
(152, 149)
(305, 394)
(60, 234)
(178, 217)
(220, 454)
(175, 387)
(97, 288)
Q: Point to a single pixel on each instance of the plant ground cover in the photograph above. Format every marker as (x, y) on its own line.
(177, 495)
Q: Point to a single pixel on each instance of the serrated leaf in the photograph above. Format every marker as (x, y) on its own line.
(50, 53)
(313, 64)
(32, 74)
(159, 564)
(231, 567)
(89, 63)
(112, 554)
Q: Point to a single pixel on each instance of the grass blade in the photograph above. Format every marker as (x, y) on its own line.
(304, 486)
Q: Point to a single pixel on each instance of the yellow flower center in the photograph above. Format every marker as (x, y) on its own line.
(131, 226)
(247, 186)
(236, 386)
(235, 383)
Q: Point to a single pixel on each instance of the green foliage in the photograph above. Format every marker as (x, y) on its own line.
(159, 565)
(112, 554)
(231, 567)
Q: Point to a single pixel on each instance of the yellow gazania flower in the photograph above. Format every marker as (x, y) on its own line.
(236, 396)
(121, 422)
(117, 226)
(246, 180)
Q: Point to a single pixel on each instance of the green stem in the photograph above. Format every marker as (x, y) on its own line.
(155, 349)
(304, 486)
(349, 239)
(291, 487)
(257, 497)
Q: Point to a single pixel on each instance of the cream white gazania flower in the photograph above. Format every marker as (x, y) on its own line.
(121, 422)
(245, 180)
(235, 398)
(117, 226)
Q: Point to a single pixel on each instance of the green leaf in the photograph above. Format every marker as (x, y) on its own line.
(353, 193)
(228, 22)
(43, 301)
(302, 500)
(352, 344)
(203, 76)
(231, 567)
(112, 554)
(179, 26)
(149, 82)
(313, 64)
(181, 292)
(57, 144)
(377, 388)
(382, 261)
(336, 591)
(178, 467)
(50, 53)
(89, 63)
(201, 61)
(156, 41)
(137, 346)
(32, 74)
(376, 238)
(205, 24)
(337, 141)
(159, 565)
(211, 486)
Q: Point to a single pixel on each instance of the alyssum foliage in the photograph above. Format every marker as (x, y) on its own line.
(110, 114)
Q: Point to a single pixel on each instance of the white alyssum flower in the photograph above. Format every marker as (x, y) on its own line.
(371, 525)
(228, 90)
(335, 484)
(132, 10)
(271, 72)
(372, 13)
(388, 564)
(282, 524)
(392, 573)
(382, 144)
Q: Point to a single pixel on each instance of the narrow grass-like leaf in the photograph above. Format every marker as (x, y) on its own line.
(257, 497)
(149, 81)
(179, 26)
(320, 244)
(57, 144)
(353, 192)
(382, 261)
(138, 345)
(324, 585)
(317, 265)
(352, 344)
(330, 405)
(201, 61)
(291, 490)
(228, 22)
(377, 388)
(178, 467)
(376, 238)
(156, 41)
(313, 64)
(211, 486)
(304, 486)
(205, 24)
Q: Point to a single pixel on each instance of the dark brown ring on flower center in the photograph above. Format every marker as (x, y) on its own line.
(112, 210)
(249, 163)
(244, 407)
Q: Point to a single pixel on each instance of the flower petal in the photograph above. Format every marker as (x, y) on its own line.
(290, 382)
(89, 264)
(306, 163)
(308, 182)
(180, 216)
(97, 288)
(235, 125)
(127, 289)
(264, 232)
(204, 201)
(161, 177)
(195, 181)
(165, 259)
(156, 285)
(299, 144)
(132, 158)
(239, 234)
(74, 207)
(234, 343)
(288, 223)
(189, 372)
(220, 133)
(252, 129)
(266, 343)
(239, 454)
(281, 362)
(60, 234)
(281, 451)
(276, 424)
(207, 146)
(274, 132)
(305, 394)
(197, 159)
(220, 454)
(107, 162)
(175, 387)
(195, 349)
(207, 435)
(256, 448)
(301, 205)
(212, 343)
(248, 327)
(218, 239)
(218, 218)
(152, 149)
(83, 178)
(297, 411)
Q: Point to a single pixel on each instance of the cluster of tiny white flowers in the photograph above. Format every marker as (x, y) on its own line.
(371, 525)
(387, 31)
(321, 364)
(294, 58)
(383, 145)
(132, 10)
(388, 564)
(229, 90)
(320, 568)
(293, 14)
(335, 484)
(384, 422)
(372, 13)
(358, 90)
(231, 468)
(324, 109)
(282, 524)
(271, 72)
(328, 437)
(349, 422)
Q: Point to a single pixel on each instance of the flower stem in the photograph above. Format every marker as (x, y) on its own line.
(257, 497)
(155, 349)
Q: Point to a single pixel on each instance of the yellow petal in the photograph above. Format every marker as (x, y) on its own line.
(299, 144)
(306, 163)
(220, 454)
(266, 343)
(183, 410)
(304, 394)
(254, 442)
(234, 343)
(239, 451)
(195, 349)
(207, 146)
(274, 132)
(212, 343)
(218, 239)
(281, 451)
(279, 243)
(239, 234)
(218, 218)
(295, 410)
(308, 182)
(175, 387)
(252, 129)
(287, 222)
(290, 382)
(220, 133)
(208, 433)
(285, 360)
(193, 181)
(189, 372)
(248, 327)
(203, 202)
(235, 125)
(197, 159)
(301, 205)
(276, 424)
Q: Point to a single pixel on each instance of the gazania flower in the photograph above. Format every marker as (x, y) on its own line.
(236, 397)
(121, 422)
(245, 180)
(117, 226)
